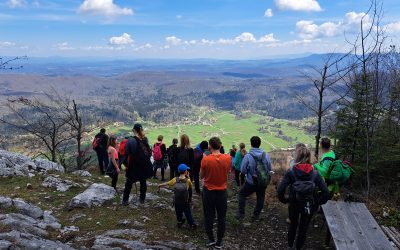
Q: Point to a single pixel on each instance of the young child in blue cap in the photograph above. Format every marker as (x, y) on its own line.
(182, 195)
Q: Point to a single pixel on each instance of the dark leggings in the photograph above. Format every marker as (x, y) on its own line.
(114, 180)
(181, 209)
(239, 178)
(128, 187)
(156, 165)
(299, 222)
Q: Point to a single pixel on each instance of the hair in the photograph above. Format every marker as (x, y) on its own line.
(112, 141)
(174, 141)
(103, 130)
(215, 143)
(325, 143)
(255, 141)
(160, 138)
(299, 145)
(242, 146)
(139, 132)
(204, 145)
(303, 155)
(185, 142)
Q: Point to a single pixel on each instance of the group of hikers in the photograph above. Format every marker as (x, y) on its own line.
(304, 186)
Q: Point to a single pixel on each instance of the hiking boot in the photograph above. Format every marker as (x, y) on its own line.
(210, 243)
(180, 223)
(141, 201)
(256, 218)
(125, 203)
(220, 244)
(193, 226)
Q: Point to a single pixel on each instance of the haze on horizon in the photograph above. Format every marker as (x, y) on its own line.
(223, 29)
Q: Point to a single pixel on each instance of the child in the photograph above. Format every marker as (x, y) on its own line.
(182, 195)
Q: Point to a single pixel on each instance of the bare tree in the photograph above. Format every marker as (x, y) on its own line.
(326, 81)
(7, 64)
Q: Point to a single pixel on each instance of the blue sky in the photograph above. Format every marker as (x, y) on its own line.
(228, 29)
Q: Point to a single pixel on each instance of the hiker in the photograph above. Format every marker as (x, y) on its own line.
(298, 145)
(99, 145)
(113, 169)
(214, 170)
(123, 156)
(257, 167)
(139, 164)
(159, 156)
(232, 152)
(185, 153)
(222, 150)
(182, 196)
(172, 159)
(237, 162)
(328, 156)
(198, 157)
(302, 181)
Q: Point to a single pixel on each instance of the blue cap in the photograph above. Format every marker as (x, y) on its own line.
(182, 168)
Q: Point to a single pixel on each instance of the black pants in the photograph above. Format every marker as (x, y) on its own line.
(239, 178)
(214, 201)
(194, 176)
(102, 157)
(299, 222)
(156, 166)
(128, 187)
(114, 180)
(173, 171)
(181, 209)
(246, 191)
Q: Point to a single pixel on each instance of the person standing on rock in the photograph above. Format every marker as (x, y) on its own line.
(159, 156)
(186, 153)
(113, 169)
(302, 181)
(214, 170)
(257, 167)
(139, 165)
(172, 159)
(99, 145)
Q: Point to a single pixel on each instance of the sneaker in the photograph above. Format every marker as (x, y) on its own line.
(180, 223)
(220, 244)
(210, 243)
(255, 218)
(193, 226)
(125, 203)
(141, 201)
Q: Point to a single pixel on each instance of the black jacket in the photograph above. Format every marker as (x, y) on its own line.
(139, 164)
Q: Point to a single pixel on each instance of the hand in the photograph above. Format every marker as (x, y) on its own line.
(118, 170)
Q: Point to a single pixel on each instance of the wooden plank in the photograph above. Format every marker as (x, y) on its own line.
(353, 226)
(370, 227)
(391, 235)
(338, 227)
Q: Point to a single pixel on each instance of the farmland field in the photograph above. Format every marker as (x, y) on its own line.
(275, 133)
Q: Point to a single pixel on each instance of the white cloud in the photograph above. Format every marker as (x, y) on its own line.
(268, 13)
(16, 3)
(298, 5)
(63, 46)
(103, 7)
(173, 40)
(245, 37)
(7, 44)
(310, 30)
(179, 17)
(355, 18)
(125, 39)
(392, 27)
(268, 39)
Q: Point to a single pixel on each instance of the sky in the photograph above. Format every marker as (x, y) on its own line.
(184, 29)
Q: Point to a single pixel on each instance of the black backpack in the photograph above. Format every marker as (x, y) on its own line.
(181, 193)
(304, 192)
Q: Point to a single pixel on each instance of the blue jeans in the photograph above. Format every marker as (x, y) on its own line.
(181, 209)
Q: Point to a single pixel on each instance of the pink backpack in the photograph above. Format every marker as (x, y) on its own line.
(157, 154)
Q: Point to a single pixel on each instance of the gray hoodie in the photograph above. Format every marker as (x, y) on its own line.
(248, 166)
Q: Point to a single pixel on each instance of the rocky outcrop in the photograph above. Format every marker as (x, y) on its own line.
(95, 195)
(82, 173)
(12, 164)
(60, 184)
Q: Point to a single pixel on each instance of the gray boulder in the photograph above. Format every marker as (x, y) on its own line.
(23, 224)
(5, 202)
(82, 173)
(46, 166)
(95, 195)
(28, 208)
(60, 184)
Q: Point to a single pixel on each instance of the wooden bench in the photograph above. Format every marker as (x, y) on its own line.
(352, 226)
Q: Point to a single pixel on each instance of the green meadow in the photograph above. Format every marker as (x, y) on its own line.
(275, 133)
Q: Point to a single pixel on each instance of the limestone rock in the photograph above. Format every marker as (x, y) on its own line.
(28, 208)
(82, 173)
(23, 224)
(5, 202)
(95, 195)
(46, 165)
(60, 184)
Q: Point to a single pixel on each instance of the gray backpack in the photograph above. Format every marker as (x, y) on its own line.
(181, 193)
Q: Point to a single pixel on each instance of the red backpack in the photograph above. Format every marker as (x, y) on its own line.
(122, 146)
(96, 142)
(157, 154)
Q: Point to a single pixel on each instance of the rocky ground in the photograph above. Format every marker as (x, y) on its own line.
(45, 208)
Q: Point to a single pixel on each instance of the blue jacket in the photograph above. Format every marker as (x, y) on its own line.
(249, 165)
